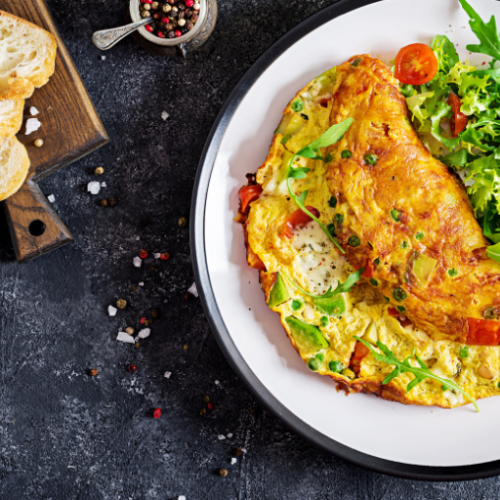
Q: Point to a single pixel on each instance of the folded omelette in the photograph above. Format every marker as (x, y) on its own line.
(400, 215)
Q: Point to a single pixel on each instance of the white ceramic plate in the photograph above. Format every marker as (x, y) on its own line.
(411, 441)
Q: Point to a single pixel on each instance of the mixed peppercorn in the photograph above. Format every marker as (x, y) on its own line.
(170, 18)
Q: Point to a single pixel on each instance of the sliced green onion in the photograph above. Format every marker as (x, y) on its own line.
(332, 202)
(399, 294)
(371, 159)
(297, 105)
(395, 214)
(346, 153)
(353, 241)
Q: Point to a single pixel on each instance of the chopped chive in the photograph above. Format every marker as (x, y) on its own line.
(464, 352)
(401, 309)
(371, 159)
(395, 214)
(376, 261)
(419, 235)
(332, 202)
(353, 241)
(328, 158)
(304, 116)
(356, 62)
(452, 273)
(399, 294)
(404, 245)
(331, 228)
(338, 219)
(296, 305)
(373, 282)
(386, 299)
(297, 105)
(346, 153)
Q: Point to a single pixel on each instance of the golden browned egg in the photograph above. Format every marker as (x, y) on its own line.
(432, 232)
(402, 212)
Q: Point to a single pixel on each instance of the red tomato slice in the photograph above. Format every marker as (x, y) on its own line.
(248, 194)
(458, 120)
(297, 219)
(483, 332)
(368, 272)
(360, 352)
(416, 64)
(392, 311)
(254, 260)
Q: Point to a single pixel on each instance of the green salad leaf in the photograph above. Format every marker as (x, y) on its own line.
(445, 51)
(493, 252)
(486, 33)
(421, 372)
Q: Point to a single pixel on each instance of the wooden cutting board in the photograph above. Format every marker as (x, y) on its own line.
(70, 129)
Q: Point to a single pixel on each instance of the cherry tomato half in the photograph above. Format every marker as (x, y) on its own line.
(416, 64)
(483, 332)
(392, 311)
(368, 272)
(297, 219)
(360, 352)
(248, 194)
(458, 120)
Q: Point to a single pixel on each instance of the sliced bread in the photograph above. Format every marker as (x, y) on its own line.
(27, 57)
(14, 166)
(11, 117)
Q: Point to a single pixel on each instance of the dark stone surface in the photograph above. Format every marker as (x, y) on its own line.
(65, 435)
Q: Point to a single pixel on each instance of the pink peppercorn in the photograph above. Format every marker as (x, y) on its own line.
(178, 33)
(149, 28)
(165, 20)
(210, 406)
(144, 253)
(189, 3)
(160, 35)
(157, 413)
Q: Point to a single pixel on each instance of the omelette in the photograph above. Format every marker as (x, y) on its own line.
(400, 217)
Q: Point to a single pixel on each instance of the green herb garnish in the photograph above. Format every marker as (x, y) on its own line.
(371, 159)
(331, 228)
(338, 219)
(332, 202)
(395, 214)
(296, 305)
(419, 236)
(373, 282)
(353, 241)
(331, 136)
(452, 273)
(421, 372)
(297, 105)
(464, 352)
(328, 158)
(324, 321)
(399, 294)
(346, 154)
(493, 252)
(401, 309)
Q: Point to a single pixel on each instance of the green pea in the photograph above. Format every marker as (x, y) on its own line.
(320, 357)
(464, 352)
(395, 214)
(335, 366)
(401, 309)
(324, 320)
(371, 159)
(353, 241)
(331, 228)
(314, 364)
(297, 105)
(328, 158)
(452, 273)
(373, 282)
(338, 219)
(419, 236)
(404, 245)
(346, 153)
(444, 388)
(399, 294)
(332, 202)
(296, 305)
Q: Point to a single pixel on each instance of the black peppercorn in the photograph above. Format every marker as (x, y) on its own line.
(112, 202)
(181, 14)
(171, 34)
(169, 27)
(189, 13)
(189, 25)
(184, 31)
(181, 6)
(174, 13)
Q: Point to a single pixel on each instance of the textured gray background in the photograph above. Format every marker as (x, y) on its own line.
(65, 435)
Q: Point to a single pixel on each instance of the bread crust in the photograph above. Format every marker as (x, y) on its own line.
(17, 174)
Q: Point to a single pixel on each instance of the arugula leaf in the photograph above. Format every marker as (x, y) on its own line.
(445, 52)
(443, 111)
(421, 373)
(455, 159)
(351, 280)
(311, 151)
(493, 252)
(486, 33)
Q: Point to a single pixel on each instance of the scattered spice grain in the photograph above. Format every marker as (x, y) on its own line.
(98, 171)
(210, 406)
(143, 254)
(121, 304)
(39, 143)
(223, 472)
(206, 399)
(130, 330)
(155, 313)
(137, 344)
(112, 202)
(203, 411)
(93, 372)
(132, 368)
(104, 202)
(183, 222)
(164, 256)
(186, 347)
(238, 452)
(157, 413)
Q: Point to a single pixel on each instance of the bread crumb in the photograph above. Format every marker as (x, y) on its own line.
(112, 310)
(51, 198)
(33, 111)
(93, 187)
(164, 115)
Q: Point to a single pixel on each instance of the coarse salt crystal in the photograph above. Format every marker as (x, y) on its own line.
(157, 255)
(137, 238)
(124, 337)
(33, 111)
(103, 58)
(32, 125)
(167, 374)
(193, 290)
(164, 115)
(93, 187)
(137, 262)
(144, 333)
(112, 310)
(220, 437)
(104, 185)
(230, 435)
(233, 461)
(141, 283)
(51, 198)
(182, 497)
(217, 382)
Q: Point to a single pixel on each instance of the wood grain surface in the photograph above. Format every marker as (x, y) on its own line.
(70, 129)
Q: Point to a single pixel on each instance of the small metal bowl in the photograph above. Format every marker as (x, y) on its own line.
(175, 46)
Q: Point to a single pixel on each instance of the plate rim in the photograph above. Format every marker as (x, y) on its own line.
(207, 297)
